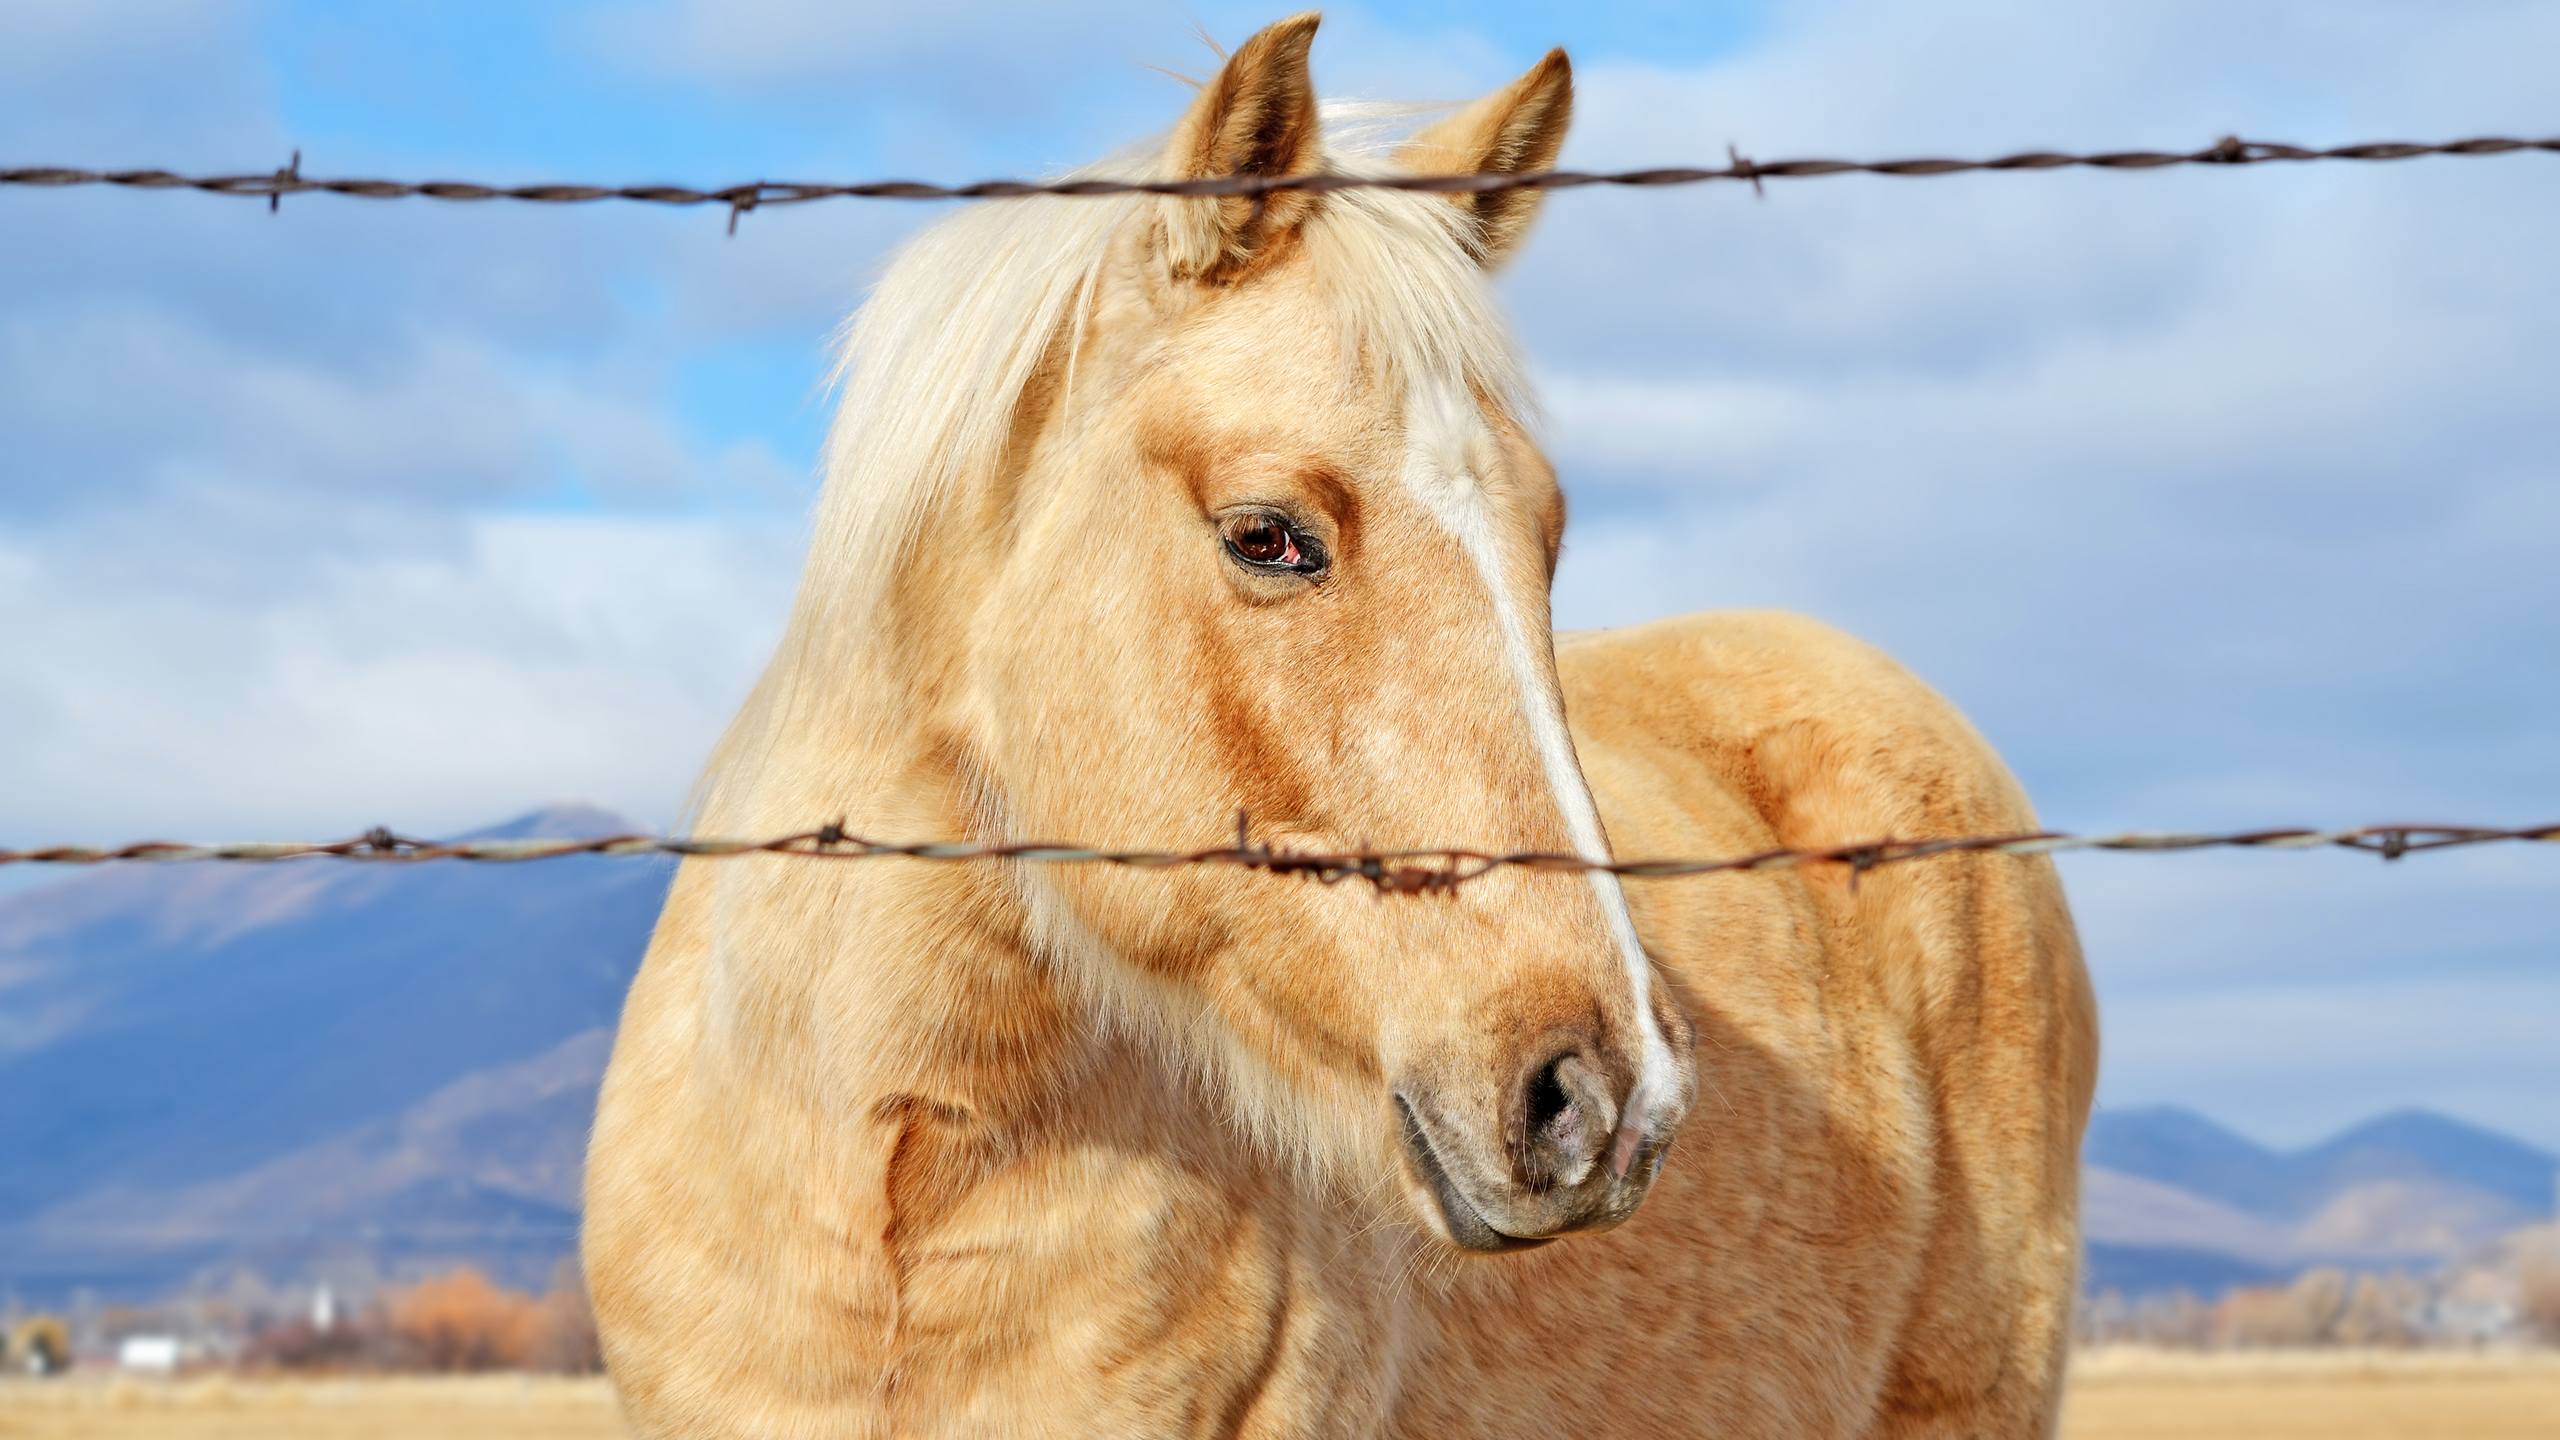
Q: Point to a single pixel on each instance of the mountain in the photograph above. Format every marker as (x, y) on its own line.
(207, 1064)
(2132, 1211)
(2136, 1270)
(2415, 1144)
(2165, 1186)
(2181, 1148)
(2184, 1149)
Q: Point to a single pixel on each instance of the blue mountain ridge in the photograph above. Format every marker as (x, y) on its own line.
(2179, 1147)
(169, 1027)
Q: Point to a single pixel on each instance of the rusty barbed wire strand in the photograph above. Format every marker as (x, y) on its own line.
(738, 199)
(1388, 871)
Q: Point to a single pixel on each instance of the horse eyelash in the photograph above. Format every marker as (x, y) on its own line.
(1312, 546)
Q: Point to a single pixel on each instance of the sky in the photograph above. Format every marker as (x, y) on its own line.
(2215, 497)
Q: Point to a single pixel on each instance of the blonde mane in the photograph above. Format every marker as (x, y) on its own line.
(934, 364)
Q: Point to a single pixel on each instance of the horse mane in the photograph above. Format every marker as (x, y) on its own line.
(933, 366)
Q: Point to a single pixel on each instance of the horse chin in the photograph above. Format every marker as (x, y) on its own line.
(1460, 1222)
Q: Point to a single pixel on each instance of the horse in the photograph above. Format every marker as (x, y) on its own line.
(1142, 512)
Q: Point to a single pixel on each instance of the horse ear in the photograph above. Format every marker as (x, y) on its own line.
(1516, 129)
(1258, 117)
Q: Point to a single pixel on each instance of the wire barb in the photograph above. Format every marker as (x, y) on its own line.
(288, 178)
(1439, 871)
(738, 199)
(1744, 169)
(742, 198)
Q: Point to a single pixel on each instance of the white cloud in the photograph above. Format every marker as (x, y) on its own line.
(355, 511)
(107, 399)
(2295, 1063)
(436, 686)
(2193, 463)
(66, 62)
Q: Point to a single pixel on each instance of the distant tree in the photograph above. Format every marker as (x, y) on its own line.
(2251, 1317)
(297, 1344)
(41, 1345)
(2176, 1320)
(461, 1321)
(114, 1322)
(2538, 1296)
(2103, 1319)
(2381, 1311)
(564, 1341)
(2319, 1302)
(457, 1321)
(2312, 1310)
(2307, 1312)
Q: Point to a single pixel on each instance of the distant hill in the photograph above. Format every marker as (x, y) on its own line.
(2136, 1270)
(2409, 1188)
(204, 1064)
(2183, 1149)
(2418, 1145)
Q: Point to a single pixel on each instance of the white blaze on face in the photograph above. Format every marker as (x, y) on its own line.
(1444, 438)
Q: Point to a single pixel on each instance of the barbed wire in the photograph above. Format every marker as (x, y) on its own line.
(738, 199)
(1422, 871)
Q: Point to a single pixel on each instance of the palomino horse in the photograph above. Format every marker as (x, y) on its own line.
(1143, 512)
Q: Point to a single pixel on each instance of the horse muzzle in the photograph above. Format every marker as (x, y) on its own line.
(1573, 1151)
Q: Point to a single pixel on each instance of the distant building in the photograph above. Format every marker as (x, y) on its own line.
(324, 1309)
(148, 1354)
(2472, 1320)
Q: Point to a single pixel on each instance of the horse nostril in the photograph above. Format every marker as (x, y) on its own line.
(1566, 1119)
(1550, 1108)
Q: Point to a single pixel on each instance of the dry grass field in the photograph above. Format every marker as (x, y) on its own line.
(2117, 1395)
(2137, 1395)
(498, 1407)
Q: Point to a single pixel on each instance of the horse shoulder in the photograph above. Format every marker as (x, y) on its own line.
(1728, 733)
(1756, 729)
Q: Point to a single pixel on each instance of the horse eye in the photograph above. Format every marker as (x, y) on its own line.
(1268, 542)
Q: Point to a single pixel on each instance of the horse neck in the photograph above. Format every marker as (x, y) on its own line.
(853, 982)
(891, 976)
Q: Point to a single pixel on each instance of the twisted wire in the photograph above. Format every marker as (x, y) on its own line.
(1413, 871)
(739, 199)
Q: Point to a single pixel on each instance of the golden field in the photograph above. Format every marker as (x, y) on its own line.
(493, 1407)
(2115, 1395)
(2386, 1395)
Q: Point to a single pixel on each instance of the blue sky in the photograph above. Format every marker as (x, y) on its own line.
(2216, 498)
